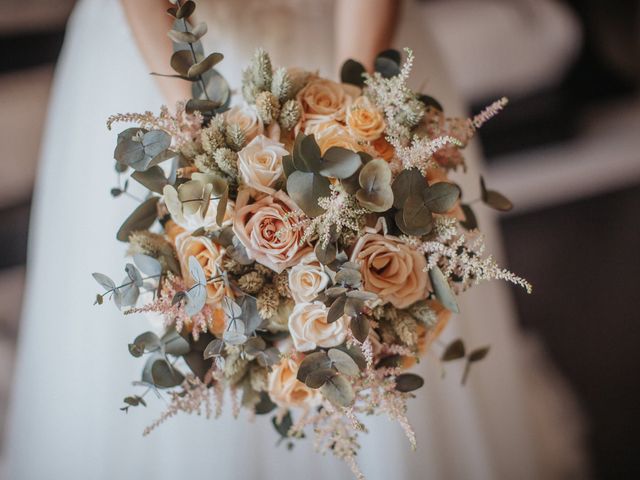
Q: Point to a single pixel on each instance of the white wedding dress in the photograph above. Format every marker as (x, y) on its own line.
(74, 369)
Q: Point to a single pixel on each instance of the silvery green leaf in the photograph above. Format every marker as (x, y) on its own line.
(407, 183)
(213, 349)
(335, 291)
(416, 216)
(196, 299)
(359, 326)
(313, 361)
(271, 357)
(343, 362)
(196, 271)
(199, 30)
(148, 341)
(478, 354)
(339, 162)
(362, 295)
(222, 206)
(129, 149)
(181, 61)
(250, 316)
(104, 280)
(186, 9)
(319, 377)
(141, 219)
(235, 333)
(136, 350)
(203, 106)
(326, 254)
(441, 197)
(287, 165)
(442, 290)
(375, 191)
(117, 298)
(162, 157)
(165, 375)
(238, 252)
(207, 64)
(174, 343)
(470, 221)
(148, 265)
(348, 276)
(408, 382)
(336, 311)
(155, 142)
(231, 309)
(352, 72)
(350, 265)
(254, 345)
(494, 199)
(153, 178)
(128, 293)
(306, 154)
(338, 391)
(134, 274)
(182, 37)
(305, 188)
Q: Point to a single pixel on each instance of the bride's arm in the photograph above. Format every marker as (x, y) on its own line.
(364, 28)
(150, 23)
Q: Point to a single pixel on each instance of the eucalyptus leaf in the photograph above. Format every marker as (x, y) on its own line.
(352, 72)
(155, 142)
(470, 221)
(359, 327)
(148, 341)
(343, 362)
(287, 165)
(349, 277)
(221, 209)
(441, 197)
(207, 64)
(196, 299)
(265, 405)
(181, 61)
(214, 348)
(136, 350)
(454, 351)
(134, 274)
(408, 183)
(339, 162)
(128, 294)
(182, 37)
(203, 106)
(196, 271)
(336, 311)
(186, 9)
(494, 199)
(416, 216)
(141, 219)
(442, 290)
(200, 30)
(148, 265)
(312, 362)
(386, 67)
(478, 354)
(305, 188)
(326, 254)
(254, 345)
(408, 382)
(375, 190)
(153, 178)
(318, 378)
(164, 375)
(175, 344)
(338, 391)
(362, 295)
(104, 280)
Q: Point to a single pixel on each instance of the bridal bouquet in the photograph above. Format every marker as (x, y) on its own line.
(302, 248)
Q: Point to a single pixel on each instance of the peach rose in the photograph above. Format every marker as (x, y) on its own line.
(336, 136)
(309, 328)
(323, 100)
(307, 278)
(384, 149)
(286, 390)
(267, 229)
(391, 269)
(247, 118)
(209, 255)
(260, 163)
(364, 120)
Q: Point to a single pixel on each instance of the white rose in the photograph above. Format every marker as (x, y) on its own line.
(260, 163)
(307, 279)
(309, 328)
(247, 118)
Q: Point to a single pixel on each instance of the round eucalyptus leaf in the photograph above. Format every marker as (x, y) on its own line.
(386, 67)
(153, 178)
(498, 201)
(305, 188)
(408, 382)
(362, 295)
(317, 378)
(128, 293)
(343, 362)
(339, 162)
(213, 349)
(391, 54)
(181, 61)
(454, 351)
(442, 290)
(134, 274)
(129, 152)
(196, 299)
(478, 354)
(104, 280)
(287, 165)
(407, 183)
(265, 405)
(375, 190)
(175, 344)
(338, 391)
(148, 341)
(196, 271)
(186, 9)
(356, 355)
(136, 350)
(254, 345)
(309, 152)
(147, 265)
(349, 277)
(351, 72)
(164, 375)
(353, 306)
(326, 254)
(203, 106)
(312, 362)
(416, 215)
(441, 197)
(200, 30)
(417, 231)
(470, 221)
(205, 65)
(221, 209)
(335, 291)
(182, 37)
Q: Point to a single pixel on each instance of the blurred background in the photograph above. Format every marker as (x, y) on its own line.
(566, 151)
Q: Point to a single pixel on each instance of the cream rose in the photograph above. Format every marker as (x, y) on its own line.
(209, 255)
(307, 278)
(323, 100)
(260, 163)
(247, 118)
(267, 229)
(391, 269)
(286, 391)
(336, 136)
(364, 120)
(309, 328)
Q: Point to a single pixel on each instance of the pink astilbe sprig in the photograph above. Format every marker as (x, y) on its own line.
(182, 126)
(488, 113)
(174, 314)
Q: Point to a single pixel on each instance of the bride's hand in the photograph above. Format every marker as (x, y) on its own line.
(364, 28)
(150, 23)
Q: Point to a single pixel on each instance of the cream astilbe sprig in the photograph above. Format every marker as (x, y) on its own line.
(419, 153)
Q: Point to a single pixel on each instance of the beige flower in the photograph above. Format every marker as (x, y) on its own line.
(323, 100)
(286, 390)
(391, 269)
(246, 117)
(364, 120)
(260, 163)
(336, 136)
(267, 229)
(209, 255)
(309, 328)
(307, 278)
